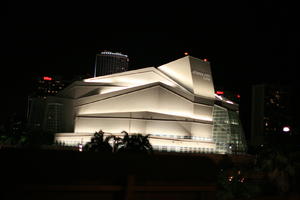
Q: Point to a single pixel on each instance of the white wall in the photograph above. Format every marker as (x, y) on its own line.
(192, 73)
(144, 126)
(142, 100)
(180, 71)
(154, 99)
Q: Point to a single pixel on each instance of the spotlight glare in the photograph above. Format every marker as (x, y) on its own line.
(286, 129)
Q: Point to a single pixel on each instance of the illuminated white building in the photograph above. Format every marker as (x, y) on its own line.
(175, 103)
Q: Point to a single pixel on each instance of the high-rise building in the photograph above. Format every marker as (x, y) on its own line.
(109, 63)
(47, 86)
(38, 109)
(271, 113)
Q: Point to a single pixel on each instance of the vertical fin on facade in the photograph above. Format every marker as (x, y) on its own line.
(202, 78)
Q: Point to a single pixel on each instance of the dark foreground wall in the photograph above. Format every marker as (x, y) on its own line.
(75, 175)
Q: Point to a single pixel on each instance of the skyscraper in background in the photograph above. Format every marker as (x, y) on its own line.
(107, 62)
(37, 106)
(272, 113)
(47, 86)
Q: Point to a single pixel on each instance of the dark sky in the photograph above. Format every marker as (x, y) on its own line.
(246, 43)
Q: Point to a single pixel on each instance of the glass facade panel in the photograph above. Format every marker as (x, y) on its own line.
(238, 143)
(221, 129)
(227, 131)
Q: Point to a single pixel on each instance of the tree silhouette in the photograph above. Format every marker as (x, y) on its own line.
(137, 143)
(98, 143)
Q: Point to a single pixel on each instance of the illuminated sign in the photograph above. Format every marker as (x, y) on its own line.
(47, 78)
(204, 76)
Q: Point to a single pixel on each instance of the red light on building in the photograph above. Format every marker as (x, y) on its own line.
(205, 59)
(47, 78)
(219, 92)
(238, 96)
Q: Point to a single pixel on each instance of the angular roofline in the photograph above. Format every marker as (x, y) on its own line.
(146, 69)
(142, 70)
(141, 87)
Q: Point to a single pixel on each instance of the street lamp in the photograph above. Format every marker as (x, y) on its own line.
(286, 129)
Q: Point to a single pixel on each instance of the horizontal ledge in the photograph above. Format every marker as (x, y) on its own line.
(183, 120)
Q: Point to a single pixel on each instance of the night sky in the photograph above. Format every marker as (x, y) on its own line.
(245, 43)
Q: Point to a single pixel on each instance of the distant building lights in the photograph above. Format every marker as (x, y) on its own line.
(114, 54)
(47, 78)
(219, 92)
(186, 53)
(286, 129)
(205, 59)
(238, 96)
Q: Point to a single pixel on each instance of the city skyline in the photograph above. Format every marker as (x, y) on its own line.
(246, 43)
(207, 106)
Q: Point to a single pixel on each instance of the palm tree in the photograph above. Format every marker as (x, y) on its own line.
(134, 143)
(98, 143)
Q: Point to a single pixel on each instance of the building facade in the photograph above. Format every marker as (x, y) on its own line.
(47, 86)
(175, 103)
(107, 62)
(272, 112)
(39, 110)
